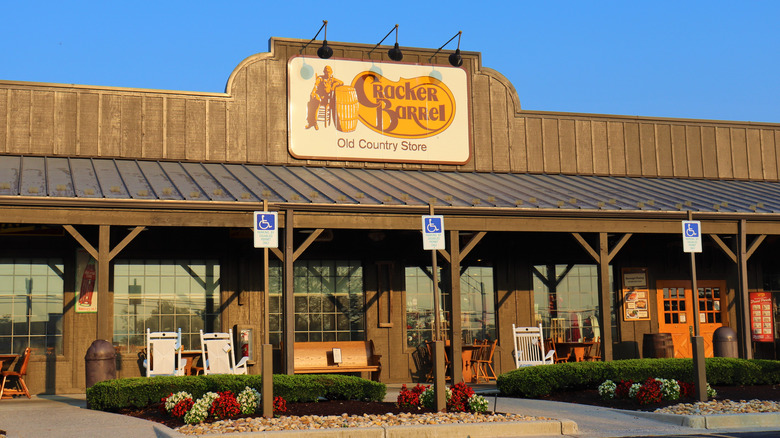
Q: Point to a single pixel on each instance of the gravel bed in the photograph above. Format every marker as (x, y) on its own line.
(722, 407)
(260, 424)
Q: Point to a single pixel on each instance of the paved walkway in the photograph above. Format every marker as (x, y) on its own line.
(66, 416)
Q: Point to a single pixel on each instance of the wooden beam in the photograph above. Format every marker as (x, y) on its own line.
(475, 239)
(586, 246)
(129, 238)
(306, 243)
(754, 246)
(445, 255)
(723, 247)
(81, 240)
(278, 253)
(613, 252)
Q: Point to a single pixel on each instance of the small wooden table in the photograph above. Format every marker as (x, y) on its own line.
(467, 352)
(575, 350)
(190, 357)
(7, 359)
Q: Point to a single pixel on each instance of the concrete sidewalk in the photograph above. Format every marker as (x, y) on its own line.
(67, 416)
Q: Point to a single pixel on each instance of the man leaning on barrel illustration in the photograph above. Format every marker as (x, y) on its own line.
(322, 95)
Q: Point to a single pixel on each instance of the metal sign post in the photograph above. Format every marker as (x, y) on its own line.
(433, 239)
(266, 236)
(691, 234)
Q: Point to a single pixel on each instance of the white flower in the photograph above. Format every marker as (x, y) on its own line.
(200, 410)
(174, 399)
(634, 389)
(607, 389)
(478, 403)
(670, 389)
(248, 399)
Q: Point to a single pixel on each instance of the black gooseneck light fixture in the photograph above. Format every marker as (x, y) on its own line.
(324, 51)
(394, 53)
(455, 59)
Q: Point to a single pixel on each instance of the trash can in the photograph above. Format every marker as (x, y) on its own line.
(657, 345)
(724, 342)
(100, 362)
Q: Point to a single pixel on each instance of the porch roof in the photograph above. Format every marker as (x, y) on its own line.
(66, 178)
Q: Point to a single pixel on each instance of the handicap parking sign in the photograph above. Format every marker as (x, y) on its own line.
(691, 234)
(265, 230)
(433, 232)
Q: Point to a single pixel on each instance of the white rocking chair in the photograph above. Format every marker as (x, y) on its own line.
(218, 354)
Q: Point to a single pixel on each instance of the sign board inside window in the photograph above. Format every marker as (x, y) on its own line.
(636, 295)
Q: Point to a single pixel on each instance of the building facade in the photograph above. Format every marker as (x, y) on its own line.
(127, 209)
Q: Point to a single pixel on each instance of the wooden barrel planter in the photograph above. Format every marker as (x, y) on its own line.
(657, 345)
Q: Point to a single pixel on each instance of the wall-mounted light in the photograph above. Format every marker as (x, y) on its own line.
(394, 53)
(455, 59)
(324, 51)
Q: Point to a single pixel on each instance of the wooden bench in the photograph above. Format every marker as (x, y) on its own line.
(317, 357)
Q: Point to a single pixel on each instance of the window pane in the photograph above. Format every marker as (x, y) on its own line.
(328, 300)
(31, 298)
(570, 311)
(165, 295)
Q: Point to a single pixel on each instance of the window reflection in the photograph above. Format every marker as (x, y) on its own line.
(566, 301)
(478, 316)
(327, 298)
(165, 295)
(31, 297)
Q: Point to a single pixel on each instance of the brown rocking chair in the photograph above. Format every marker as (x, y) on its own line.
(13, 381)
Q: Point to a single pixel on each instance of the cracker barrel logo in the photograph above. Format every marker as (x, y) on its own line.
(408, 108)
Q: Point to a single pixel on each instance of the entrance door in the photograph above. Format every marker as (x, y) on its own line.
(675, 312)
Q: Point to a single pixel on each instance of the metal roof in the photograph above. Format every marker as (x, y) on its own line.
(123, 179)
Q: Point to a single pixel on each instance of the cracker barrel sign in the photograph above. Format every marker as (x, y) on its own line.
(374, 111)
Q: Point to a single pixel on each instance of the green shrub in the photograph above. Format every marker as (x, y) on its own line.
(115, 394)
(541, 380)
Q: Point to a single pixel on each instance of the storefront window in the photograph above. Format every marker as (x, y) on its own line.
(165, 295)
(31, 297)
(328, 300)
(566, 301)
(478, 317)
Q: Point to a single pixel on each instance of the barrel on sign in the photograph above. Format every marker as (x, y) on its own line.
(347, 107)
(657, 345)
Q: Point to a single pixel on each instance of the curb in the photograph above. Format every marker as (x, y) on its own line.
(475, 430)
(726, 421)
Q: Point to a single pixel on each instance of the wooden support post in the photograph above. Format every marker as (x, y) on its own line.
(105, 328)
(605, 314)
(456, 342)
(742, 258)
(288, 312)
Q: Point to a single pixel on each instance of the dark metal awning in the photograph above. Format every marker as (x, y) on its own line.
(66, 178)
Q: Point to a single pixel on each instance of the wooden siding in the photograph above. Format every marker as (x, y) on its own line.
(248, 124)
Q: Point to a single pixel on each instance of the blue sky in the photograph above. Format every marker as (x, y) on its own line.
(688, 59)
